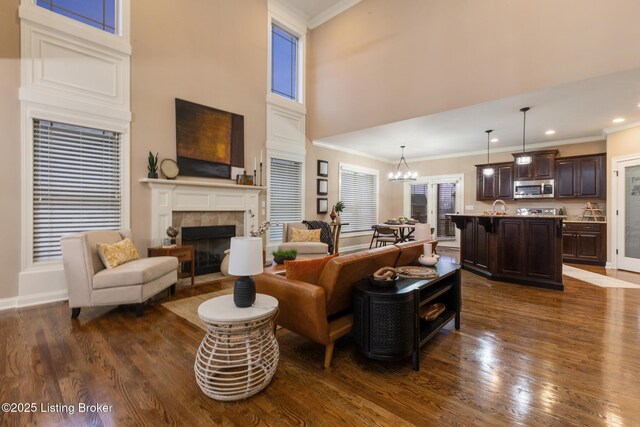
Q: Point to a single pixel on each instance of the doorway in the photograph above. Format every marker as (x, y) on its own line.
(627, 221)
(432, 198)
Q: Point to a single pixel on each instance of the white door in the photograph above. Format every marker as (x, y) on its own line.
(435, 197)
(628, 218)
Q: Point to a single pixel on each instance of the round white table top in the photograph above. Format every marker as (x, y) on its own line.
(222, 309)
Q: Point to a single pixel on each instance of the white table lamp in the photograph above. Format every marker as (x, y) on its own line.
(245, 260)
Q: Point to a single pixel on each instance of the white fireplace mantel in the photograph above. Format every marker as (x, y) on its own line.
(168, 196)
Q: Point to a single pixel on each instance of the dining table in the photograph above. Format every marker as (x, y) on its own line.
(405, 230)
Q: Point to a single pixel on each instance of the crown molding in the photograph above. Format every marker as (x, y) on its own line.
(330, 13)
(465, 153)
(614, 129)
(349, 151)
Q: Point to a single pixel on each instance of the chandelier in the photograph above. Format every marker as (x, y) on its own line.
(488, 170)
(399, 176)
(523, 158)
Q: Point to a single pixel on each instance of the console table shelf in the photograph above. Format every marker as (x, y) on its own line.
(387, 323)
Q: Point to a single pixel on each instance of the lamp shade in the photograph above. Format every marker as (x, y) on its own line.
(245, 257)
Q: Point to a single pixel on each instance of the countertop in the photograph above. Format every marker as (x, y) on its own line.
(564, 217)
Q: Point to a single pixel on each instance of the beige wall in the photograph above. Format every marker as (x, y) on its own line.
(388, 198)
(212, 52)
(466, 166)
(619, 144)
(382, 61)
(10, 158)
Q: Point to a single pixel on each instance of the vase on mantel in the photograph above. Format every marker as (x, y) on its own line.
(333, 214)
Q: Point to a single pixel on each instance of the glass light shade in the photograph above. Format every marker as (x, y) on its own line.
(487, 171)
(245, 256)
(523, 160)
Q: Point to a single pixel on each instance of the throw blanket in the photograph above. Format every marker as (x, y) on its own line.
(325, 232)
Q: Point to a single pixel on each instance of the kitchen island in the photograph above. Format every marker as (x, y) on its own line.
(514, 248)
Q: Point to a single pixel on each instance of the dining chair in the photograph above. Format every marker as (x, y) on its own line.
(382, 236)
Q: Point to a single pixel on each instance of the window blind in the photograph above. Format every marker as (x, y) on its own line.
(285, 195)
(76, 183)
(359, 192)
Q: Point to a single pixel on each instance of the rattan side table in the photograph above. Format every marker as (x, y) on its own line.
(239, 354)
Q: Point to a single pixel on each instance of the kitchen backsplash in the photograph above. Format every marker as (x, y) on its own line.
(574, 208)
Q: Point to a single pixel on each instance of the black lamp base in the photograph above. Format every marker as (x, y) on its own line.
(244, 292)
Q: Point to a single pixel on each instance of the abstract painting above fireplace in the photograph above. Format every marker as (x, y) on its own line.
(208, 141)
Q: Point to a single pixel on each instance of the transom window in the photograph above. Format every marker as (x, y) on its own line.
(77, 183)
(100, 14)
(284, 63)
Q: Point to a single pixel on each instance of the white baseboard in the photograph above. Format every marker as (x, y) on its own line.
(609, 265)
(8, 303)
(353, 248)
(42, 298)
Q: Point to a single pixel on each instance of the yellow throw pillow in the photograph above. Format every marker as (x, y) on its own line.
(113, 255)
(299, 235)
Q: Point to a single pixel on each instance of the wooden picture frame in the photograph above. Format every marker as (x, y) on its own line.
(323, 168)
(323, 206)
(323, 187)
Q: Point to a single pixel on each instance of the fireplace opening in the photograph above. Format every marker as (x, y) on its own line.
(209, 243)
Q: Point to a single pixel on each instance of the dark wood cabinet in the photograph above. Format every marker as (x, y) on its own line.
(524, 250)
(581, 177)
(542, 166)
(584, 243)
(496, 186)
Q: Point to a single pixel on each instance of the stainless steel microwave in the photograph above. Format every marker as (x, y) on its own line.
(534, 189)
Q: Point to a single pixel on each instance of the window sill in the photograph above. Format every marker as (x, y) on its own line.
(286, 103)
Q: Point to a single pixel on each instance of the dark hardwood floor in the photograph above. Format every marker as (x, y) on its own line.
(524, 356)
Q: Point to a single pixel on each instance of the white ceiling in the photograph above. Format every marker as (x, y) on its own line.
(319, 11)
(580, 110)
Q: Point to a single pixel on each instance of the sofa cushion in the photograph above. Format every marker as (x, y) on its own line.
(305, 247)
(135, 272)
(115, 254)
(307, 270)
(305, 235)
(100, 236)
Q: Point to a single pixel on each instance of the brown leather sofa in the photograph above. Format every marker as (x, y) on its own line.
(323, 312)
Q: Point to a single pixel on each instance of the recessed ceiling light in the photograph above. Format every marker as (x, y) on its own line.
(494, 140)
(618, 120)
(550, 132)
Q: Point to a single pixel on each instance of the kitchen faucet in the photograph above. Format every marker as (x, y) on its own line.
(504, 206)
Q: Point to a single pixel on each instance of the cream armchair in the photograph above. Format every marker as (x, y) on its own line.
(90, 284)
(304, 249)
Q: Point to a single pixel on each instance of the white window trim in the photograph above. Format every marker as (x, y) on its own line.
(120, 41)
(366, 170)
(278, 154)
(31, 112)
(296, 25)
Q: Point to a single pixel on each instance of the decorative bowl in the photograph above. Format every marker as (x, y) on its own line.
(429, 261)
(281, 260)
(383, 283)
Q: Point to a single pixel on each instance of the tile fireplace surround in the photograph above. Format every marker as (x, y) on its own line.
(169, 196)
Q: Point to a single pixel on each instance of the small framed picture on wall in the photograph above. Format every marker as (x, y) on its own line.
(323, 206)
(323, 187)
(323, 168)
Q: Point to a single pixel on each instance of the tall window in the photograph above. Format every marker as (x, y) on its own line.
(359, 192)
(285, 195)
(284, 63)
(419, 201)
(76, 183)
(100, 14)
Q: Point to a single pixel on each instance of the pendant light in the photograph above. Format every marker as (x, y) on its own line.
(488, 170)
(523, 158)
(399, 176)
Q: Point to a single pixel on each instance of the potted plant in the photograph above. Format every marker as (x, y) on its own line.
(152, 167)
(280, 256)
(338, 208)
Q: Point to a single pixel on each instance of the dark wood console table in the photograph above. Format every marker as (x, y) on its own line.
(387, 323)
